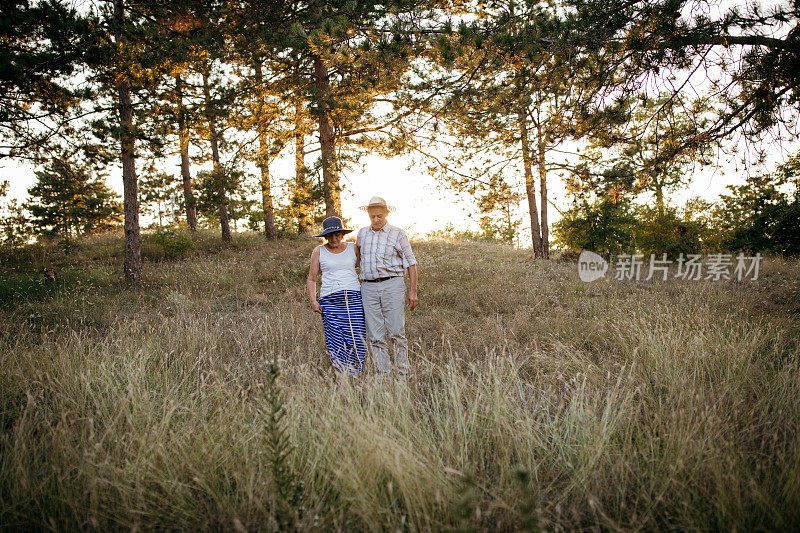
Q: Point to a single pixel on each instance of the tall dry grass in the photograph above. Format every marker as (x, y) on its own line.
(536, 401)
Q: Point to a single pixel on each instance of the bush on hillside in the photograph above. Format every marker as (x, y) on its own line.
(603, 226)
(666, 232)
(764, 214)
(167, 243)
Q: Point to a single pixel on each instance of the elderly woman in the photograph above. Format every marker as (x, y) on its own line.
(339, 298)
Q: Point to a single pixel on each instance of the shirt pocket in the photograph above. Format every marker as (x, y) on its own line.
(396, 247)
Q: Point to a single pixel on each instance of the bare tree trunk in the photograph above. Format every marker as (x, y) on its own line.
(302, 188)
(266, 203)
(224, 223)
(263, 158)
(183, 136)
(327, 138)
(530, 186)
(659, 190)
(132, 262)
(541, 146)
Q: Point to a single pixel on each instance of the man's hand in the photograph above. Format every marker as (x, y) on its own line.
(316, 307)
(412, 300)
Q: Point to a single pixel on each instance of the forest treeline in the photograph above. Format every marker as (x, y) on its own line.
(625, 100)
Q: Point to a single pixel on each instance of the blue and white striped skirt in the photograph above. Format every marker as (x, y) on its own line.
(345, 330)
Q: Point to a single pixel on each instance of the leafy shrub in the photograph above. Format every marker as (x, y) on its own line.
(664, 231)
(764, 214)
(167, 244)
(603, 226)
(488, 233)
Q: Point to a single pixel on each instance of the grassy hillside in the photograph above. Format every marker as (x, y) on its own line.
(536, 400)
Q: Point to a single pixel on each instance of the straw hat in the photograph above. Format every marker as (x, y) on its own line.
(377, 201)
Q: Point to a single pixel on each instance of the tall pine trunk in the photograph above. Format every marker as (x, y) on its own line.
(530, 185)
(302, 186)
(263, 157)
(327, 138)
(132, 262)
(224, 223)
(266, 202)
(541, 142)
(183, 137)
(658, 188)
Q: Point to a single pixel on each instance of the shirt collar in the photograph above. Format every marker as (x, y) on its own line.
(384, 228)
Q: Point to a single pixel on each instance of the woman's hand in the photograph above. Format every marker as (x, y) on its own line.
(316, 307)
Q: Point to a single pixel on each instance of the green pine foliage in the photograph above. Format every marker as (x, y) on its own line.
(498, 222)
(289, 510)
(212, 188)
(764, 214)
(602, 226)
(664, 231)
(44, 43)
(15, 228)
(662, 40)
(172, 244)
(68, 202)
(157, 190)
(627, 155)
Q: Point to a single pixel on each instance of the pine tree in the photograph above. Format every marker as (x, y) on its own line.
(132, 263)
(189, 200)
(241, 204)
(125, 64)
(66, 201)
(179, 33)
(511, 94)
(157, 190)
(332, 60)
(187, 29)
(302, 193)
(626, 159)
(15, 227)
(496, 206)
(343, 56)
(763, 215)
(266, 152)
(44, 43)
(214, 190)
(264, 92)
(219, 181)
(129, 69)
(750, 50)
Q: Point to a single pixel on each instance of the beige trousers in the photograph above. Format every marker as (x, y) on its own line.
(384, 311)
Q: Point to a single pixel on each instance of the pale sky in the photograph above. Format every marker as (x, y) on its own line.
(422, 203)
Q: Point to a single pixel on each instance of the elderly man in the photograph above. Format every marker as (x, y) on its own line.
(385, 256)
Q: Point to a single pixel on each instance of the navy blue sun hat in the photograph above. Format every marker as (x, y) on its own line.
(332, 225)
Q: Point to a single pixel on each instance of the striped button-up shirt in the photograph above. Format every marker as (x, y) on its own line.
(385, 252)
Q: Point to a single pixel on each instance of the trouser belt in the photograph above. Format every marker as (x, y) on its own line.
(380, 279)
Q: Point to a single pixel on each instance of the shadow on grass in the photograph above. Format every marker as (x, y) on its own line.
(19, 288)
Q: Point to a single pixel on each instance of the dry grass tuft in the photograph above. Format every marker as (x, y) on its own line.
(536, 400)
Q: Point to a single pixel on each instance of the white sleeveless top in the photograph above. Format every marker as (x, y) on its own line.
(338, 270)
